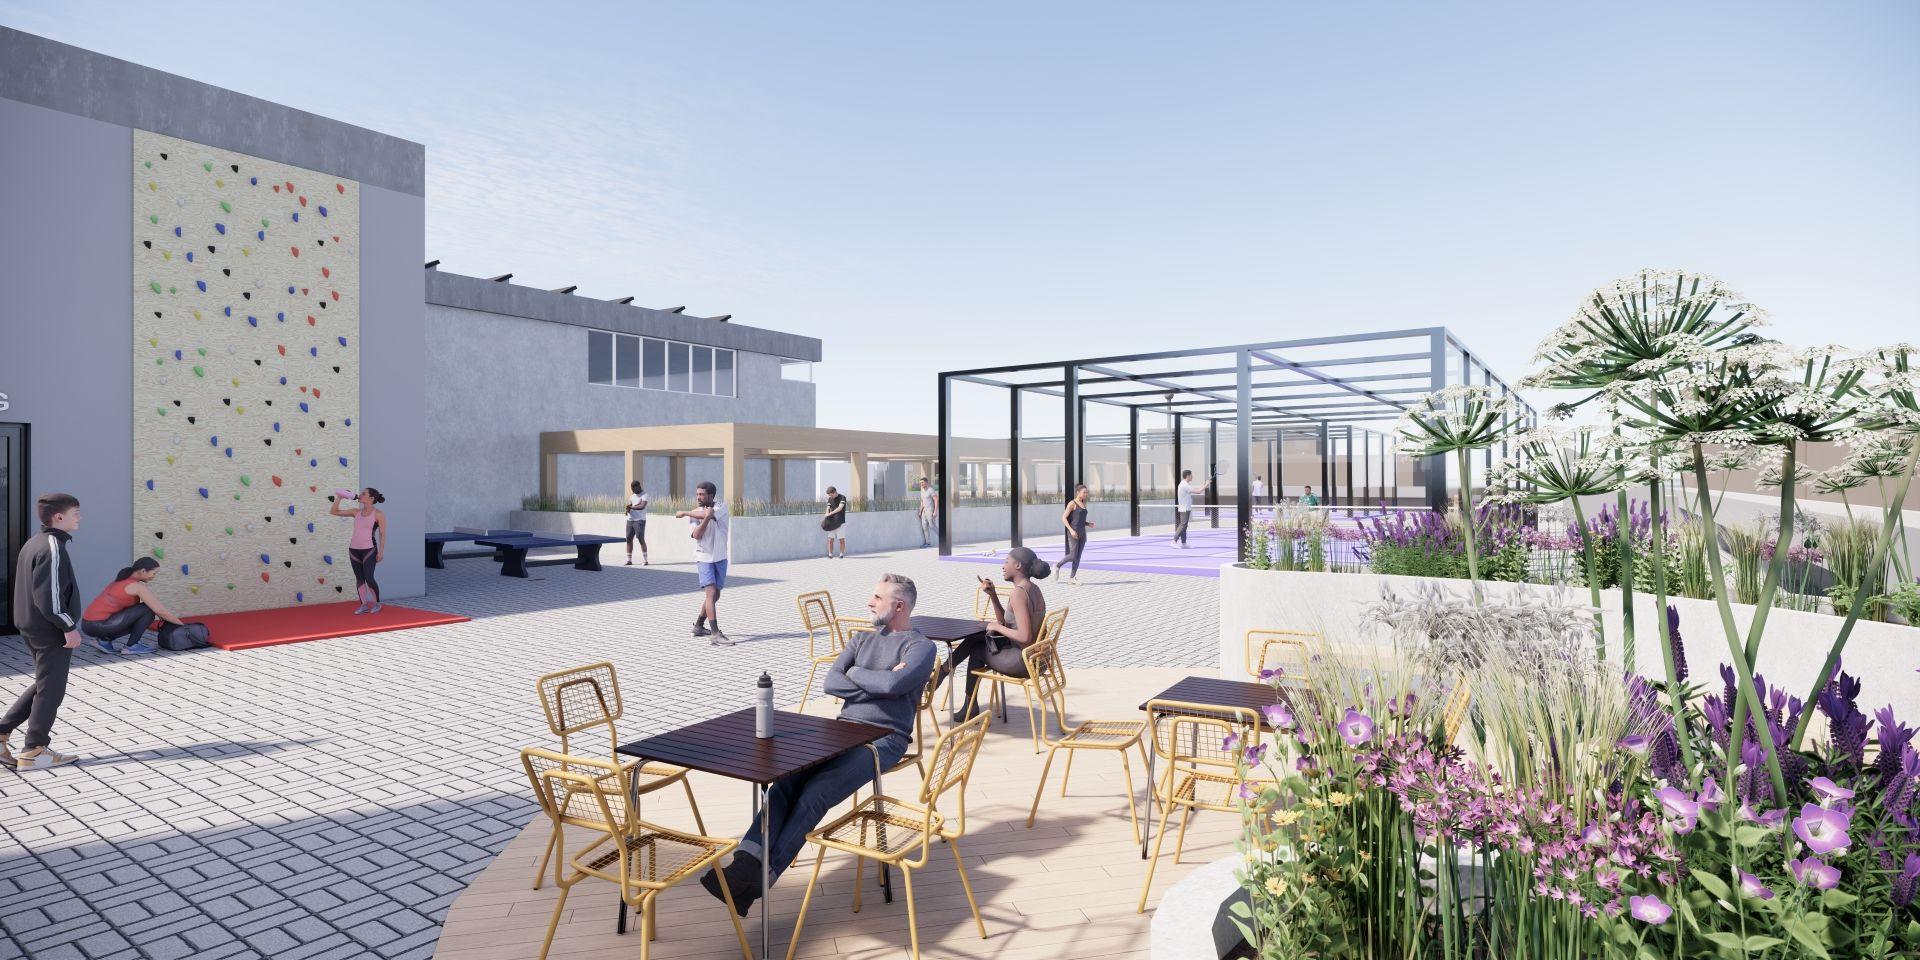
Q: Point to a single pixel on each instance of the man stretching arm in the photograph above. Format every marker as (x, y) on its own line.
(879, 676)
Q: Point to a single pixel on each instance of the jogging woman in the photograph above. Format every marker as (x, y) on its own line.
(637, 522)
(1074, 519)
(126, 608)
(364, 550)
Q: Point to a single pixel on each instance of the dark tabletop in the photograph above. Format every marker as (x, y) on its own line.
(1225, 693)
(725, 745)
(947, 629)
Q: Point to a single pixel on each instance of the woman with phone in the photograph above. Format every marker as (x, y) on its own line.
(998, 647)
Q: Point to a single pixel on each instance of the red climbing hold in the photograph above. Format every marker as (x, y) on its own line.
(264, 578)
(325, 272)
(283, 349)
(336, 296)
(337, 188)
(276, 481)
(296, 251)
(311, 322)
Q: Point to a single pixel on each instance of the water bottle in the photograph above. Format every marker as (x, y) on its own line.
(344, 496)
(763, 708)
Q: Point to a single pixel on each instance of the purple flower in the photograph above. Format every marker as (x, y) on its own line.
(1278, 716)
(1710, 794)
(1273, 673)
(1680, 810)
(1822, 830)
(1256, 754)
(1230, 743)
(1356, 727)
(1908, 882)
(1649, 909)
(1828, 791)
(1771, 818)
(1247, 792)
(1306, 763)
(1635, 743)
(1815, 873)
(1753, 888)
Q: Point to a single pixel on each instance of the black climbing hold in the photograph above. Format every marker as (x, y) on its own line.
(248, 295)
(336, 369)
(235, 166)
(163, 156)
(226, 271)
(293, 539)
(147, 243)
(191, 419)
(287, 563)
(209, 248)
(321, 242)
(256, 361)
(339, 589)
(323, 304)
(269, 403)
(160, 533)
(227, 400)
(268, 441)
(176, 403)
(156, 313)
(323, 423)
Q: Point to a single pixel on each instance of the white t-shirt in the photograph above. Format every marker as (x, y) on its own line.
(637, 507)
(711, 546)
(1259, 488)
(1183, 497)
(926, 502)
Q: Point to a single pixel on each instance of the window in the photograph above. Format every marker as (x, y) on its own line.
(723, 373)
(703, 370)
(677, 367)
(624, 360)
(656, 366)
(599, 357)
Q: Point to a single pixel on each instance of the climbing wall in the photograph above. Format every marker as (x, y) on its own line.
(246, 324)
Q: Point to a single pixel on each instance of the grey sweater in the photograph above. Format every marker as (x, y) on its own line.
(874, 691)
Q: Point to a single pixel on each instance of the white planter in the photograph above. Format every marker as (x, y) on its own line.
(1191, 922)
(1884, 655)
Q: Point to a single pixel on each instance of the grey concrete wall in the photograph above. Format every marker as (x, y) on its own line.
(393, 404)
(83, 83)
(66, 316)
(511, 299)
(495, 382)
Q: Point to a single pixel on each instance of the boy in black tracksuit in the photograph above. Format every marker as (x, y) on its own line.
(46, 599)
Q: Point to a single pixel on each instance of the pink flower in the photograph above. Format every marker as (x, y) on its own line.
(1681, 811)
(1649, 909)
(1752, 887)
(1828, 791)
(1230, 742)
(1815, 873)
(1822, 830)
(1278, 716)
(1635, 743)
(1356, 727)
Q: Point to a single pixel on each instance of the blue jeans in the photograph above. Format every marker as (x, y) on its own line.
(801, 801)
(712, 574)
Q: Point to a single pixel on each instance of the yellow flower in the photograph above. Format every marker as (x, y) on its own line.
(1286, 818)
(1276, 886)
(1339, 799)
(1313, 803)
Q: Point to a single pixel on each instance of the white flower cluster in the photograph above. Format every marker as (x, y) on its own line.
(1638, 326)
(1457, 417)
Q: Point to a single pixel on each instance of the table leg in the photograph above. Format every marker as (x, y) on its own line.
(434, 549)
(633, 804)
(587, 556)
(1152, 786)
(765, 809)
(886, 880)
(515, 564)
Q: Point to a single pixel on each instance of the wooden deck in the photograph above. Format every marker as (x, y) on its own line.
(1064, 889)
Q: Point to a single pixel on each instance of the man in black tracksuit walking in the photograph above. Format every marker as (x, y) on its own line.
(47, 603)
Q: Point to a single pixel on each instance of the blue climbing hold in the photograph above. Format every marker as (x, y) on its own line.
(265, 559)
(327, 559)
(313, 351)
(203, 493)
(176, 231)
(313, 463)
(323, 211)
(149, 484)
(176, 354)
(296, 216)
(253, 181)
(253, 321)
(282, 317)
(289, 509)
(303, 406)
(276, 427)
(229, 453)
(343, 461)
(189, 256)
(349, 421)
(299, 597)
(283, 381)
(229, 311)
(213, 441)
(220, 228)
(183, 569)
(202, 284)
(343, 340)
(309, 528)
(262, 234)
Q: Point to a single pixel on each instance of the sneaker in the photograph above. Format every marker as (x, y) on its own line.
(629, 561)
(700, 628)
(374, 609)
(135, 649)
(360, 610)
(103, 644)
(644, 561)
(719, 639)
(6, 750)
(41, 758)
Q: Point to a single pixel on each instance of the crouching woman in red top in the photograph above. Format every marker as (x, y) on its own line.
(125, 609)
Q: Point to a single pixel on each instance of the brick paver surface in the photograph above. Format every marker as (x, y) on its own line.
(330, 799)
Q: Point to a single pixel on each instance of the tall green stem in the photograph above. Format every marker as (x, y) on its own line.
(1763, 604)
(1624, 547)
(1676, 703)
(1742, 669)
(1593, 576)
(1467, 520)
(1860, 588)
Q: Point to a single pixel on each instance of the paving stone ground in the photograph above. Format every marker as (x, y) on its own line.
(330, 799)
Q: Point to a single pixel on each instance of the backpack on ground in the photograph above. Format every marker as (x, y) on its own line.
(184, 637)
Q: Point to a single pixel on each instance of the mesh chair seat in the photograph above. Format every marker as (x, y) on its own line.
(1104, 735)
(1205, 790)
(880, 828)
(656, 858)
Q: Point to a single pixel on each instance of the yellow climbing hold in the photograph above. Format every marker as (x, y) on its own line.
(153, 186)
(166, 255)
(219, 183)
(189, 524)
(244, 252)
(236, 381)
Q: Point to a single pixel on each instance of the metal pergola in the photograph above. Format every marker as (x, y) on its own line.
(1340, 392)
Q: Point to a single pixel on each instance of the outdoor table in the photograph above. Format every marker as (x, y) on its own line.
(725, 746)
(948, 631)
(1213, 691)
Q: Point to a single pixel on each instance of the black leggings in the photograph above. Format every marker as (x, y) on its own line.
(983, 652)
(131, 623)
(363, 561)
(1074, 547)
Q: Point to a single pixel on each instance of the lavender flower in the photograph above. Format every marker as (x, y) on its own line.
(1751, 886)
(1635, 743)
(1823, 830)
(1356, 727)
(1828, 791)
(1278, 716)
(1673, 640)
(1907, 882)
(1681, 812)
(1815, 873)
(1649, 909)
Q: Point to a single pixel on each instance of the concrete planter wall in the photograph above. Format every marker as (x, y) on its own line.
(1191, 922)
(1884, 655)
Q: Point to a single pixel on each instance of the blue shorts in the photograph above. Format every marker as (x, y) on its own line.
(713, 574)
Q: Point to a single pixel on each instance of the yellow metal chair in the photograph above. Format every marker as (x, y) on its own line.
(895, 833)
(982, 610)
(1289, 650)
(1201, 772)
(644, 859)
(826, 635)
(1050, 682)
(582, 699)
(1455, 712)
(1051, 630)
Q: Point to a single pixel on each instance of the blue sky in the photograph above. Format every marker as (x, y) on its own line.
(931, 187)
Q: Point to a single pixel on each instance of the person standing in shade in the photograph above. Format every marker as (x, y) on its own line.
(929, 514)
(1182, 508)
(45, 604)
(835, 521)
(636, 521)
(708, 527)
(1074, 519)
(126, 608)
(364, 552)
(1259, 491)
(1308, 499)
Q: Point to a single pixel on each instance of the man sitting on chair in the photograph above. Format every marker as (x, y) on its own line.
(880, 676)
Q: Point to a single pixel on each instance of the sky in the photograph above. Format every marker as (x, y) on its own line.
(931, 187)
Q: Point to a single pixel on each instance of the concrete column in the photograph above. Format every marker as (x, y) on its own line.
(777, 479)
(677, 476)
(549, 475)
(733, 474)
(857, 465)
(635, 469)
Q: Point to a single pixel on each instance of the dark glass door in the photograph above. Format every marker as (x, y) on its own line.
(14, 507)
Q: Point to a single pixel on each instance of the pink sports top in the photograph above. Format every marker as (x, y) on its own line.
(362, 530)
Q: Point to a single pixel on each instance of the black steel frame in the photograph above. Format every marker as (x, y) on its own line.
(1245, 396)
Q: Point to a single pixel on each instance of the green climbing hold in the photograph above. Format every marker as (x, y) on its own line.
(208, 167)
(160, 410)
(153, 285)
(263, 222)
(173, 290)
(226, 207)
(246, 481)
(203, 351)
(153, 218)
(229, 531)
(158, 362)
(149, 164)
(198, 372)
(229, 586)
(236, 496)
(160, 553)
